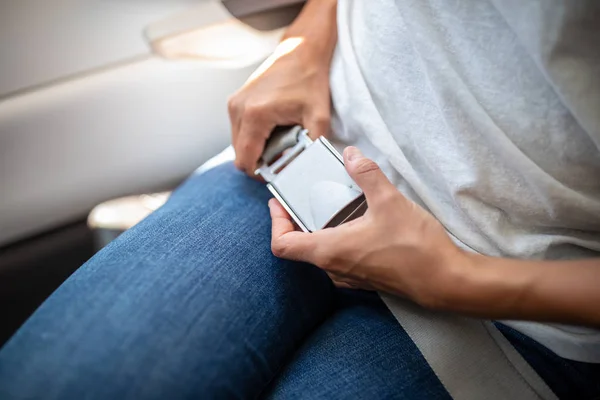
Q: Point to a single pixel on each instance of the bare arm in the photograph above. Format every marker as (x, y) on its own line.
(317, 24)
(500, 288)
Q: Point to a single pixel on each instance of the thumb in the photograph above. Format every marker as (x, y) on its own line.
(367, 174)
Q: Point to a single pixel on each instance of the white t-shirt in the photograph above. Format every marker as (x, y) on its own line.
(487, 114)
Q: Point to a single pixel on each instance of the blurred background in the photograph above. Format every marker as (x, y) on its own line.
(105, 106)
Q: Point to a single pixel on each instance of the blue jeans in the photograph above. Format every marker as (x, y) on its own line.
(191, 303)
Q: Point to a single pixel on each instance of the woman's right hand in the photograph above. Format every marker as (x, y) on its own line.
(290, 87)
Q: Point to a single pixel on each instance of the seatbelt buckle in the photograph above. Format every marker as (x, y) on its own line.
(309, 180)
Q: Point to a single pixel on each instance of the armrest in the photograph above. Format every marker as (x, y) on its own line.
(265, 14)
(243, 8)
(229, 33)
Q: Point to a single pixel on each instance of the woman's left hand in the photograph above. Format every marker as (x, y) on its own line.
(396, 247)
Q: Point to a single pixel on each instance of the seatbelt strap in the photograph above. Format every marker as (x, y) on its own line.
(471, 357)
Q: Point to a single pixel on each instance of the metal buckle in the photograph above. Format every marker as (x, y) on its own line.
(309, 180)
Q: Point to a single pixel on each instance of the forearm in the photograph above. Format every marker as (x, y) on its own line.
(316, 26)
(557, 291)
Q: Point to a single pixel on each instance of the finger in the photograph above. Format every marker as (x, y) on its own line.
(342, 285)
(318, 123)
(234, 118)
(338, 282)
(282, 221)
(247, 153)
(250, 144)
(286, 242)
(367, 174)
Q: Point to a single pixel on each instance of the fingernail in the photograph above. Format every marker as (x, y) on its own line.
(352, 153)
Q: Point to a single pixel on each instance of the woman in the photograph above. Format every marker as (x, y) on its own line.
(481, 127)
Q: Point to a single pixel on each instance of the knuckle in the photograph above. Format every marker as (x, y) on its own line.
(246, 146)
(385, 201)
(321, 128)
(388, 196)
(254, 110)
(279, 247)
(238, 164)
(321, 119)
(232, 104)
(325, 261)
(365, 166)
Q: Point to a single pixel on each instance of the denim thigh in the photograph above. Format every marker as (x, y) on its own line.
(189, 302)
(359, 352)
(362, 352)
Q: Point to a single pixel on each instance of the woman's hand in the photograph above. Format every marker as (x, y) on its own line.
(291, 87)
(399, 248)
(396, 247)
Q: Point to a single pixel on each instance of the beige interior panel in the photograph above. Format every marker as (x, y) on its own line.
(130, 129)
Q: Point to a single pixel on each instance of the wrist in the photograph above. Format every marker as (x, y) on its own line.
(316, 27)
(485, 286)
(503, 288)
(456, 283)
